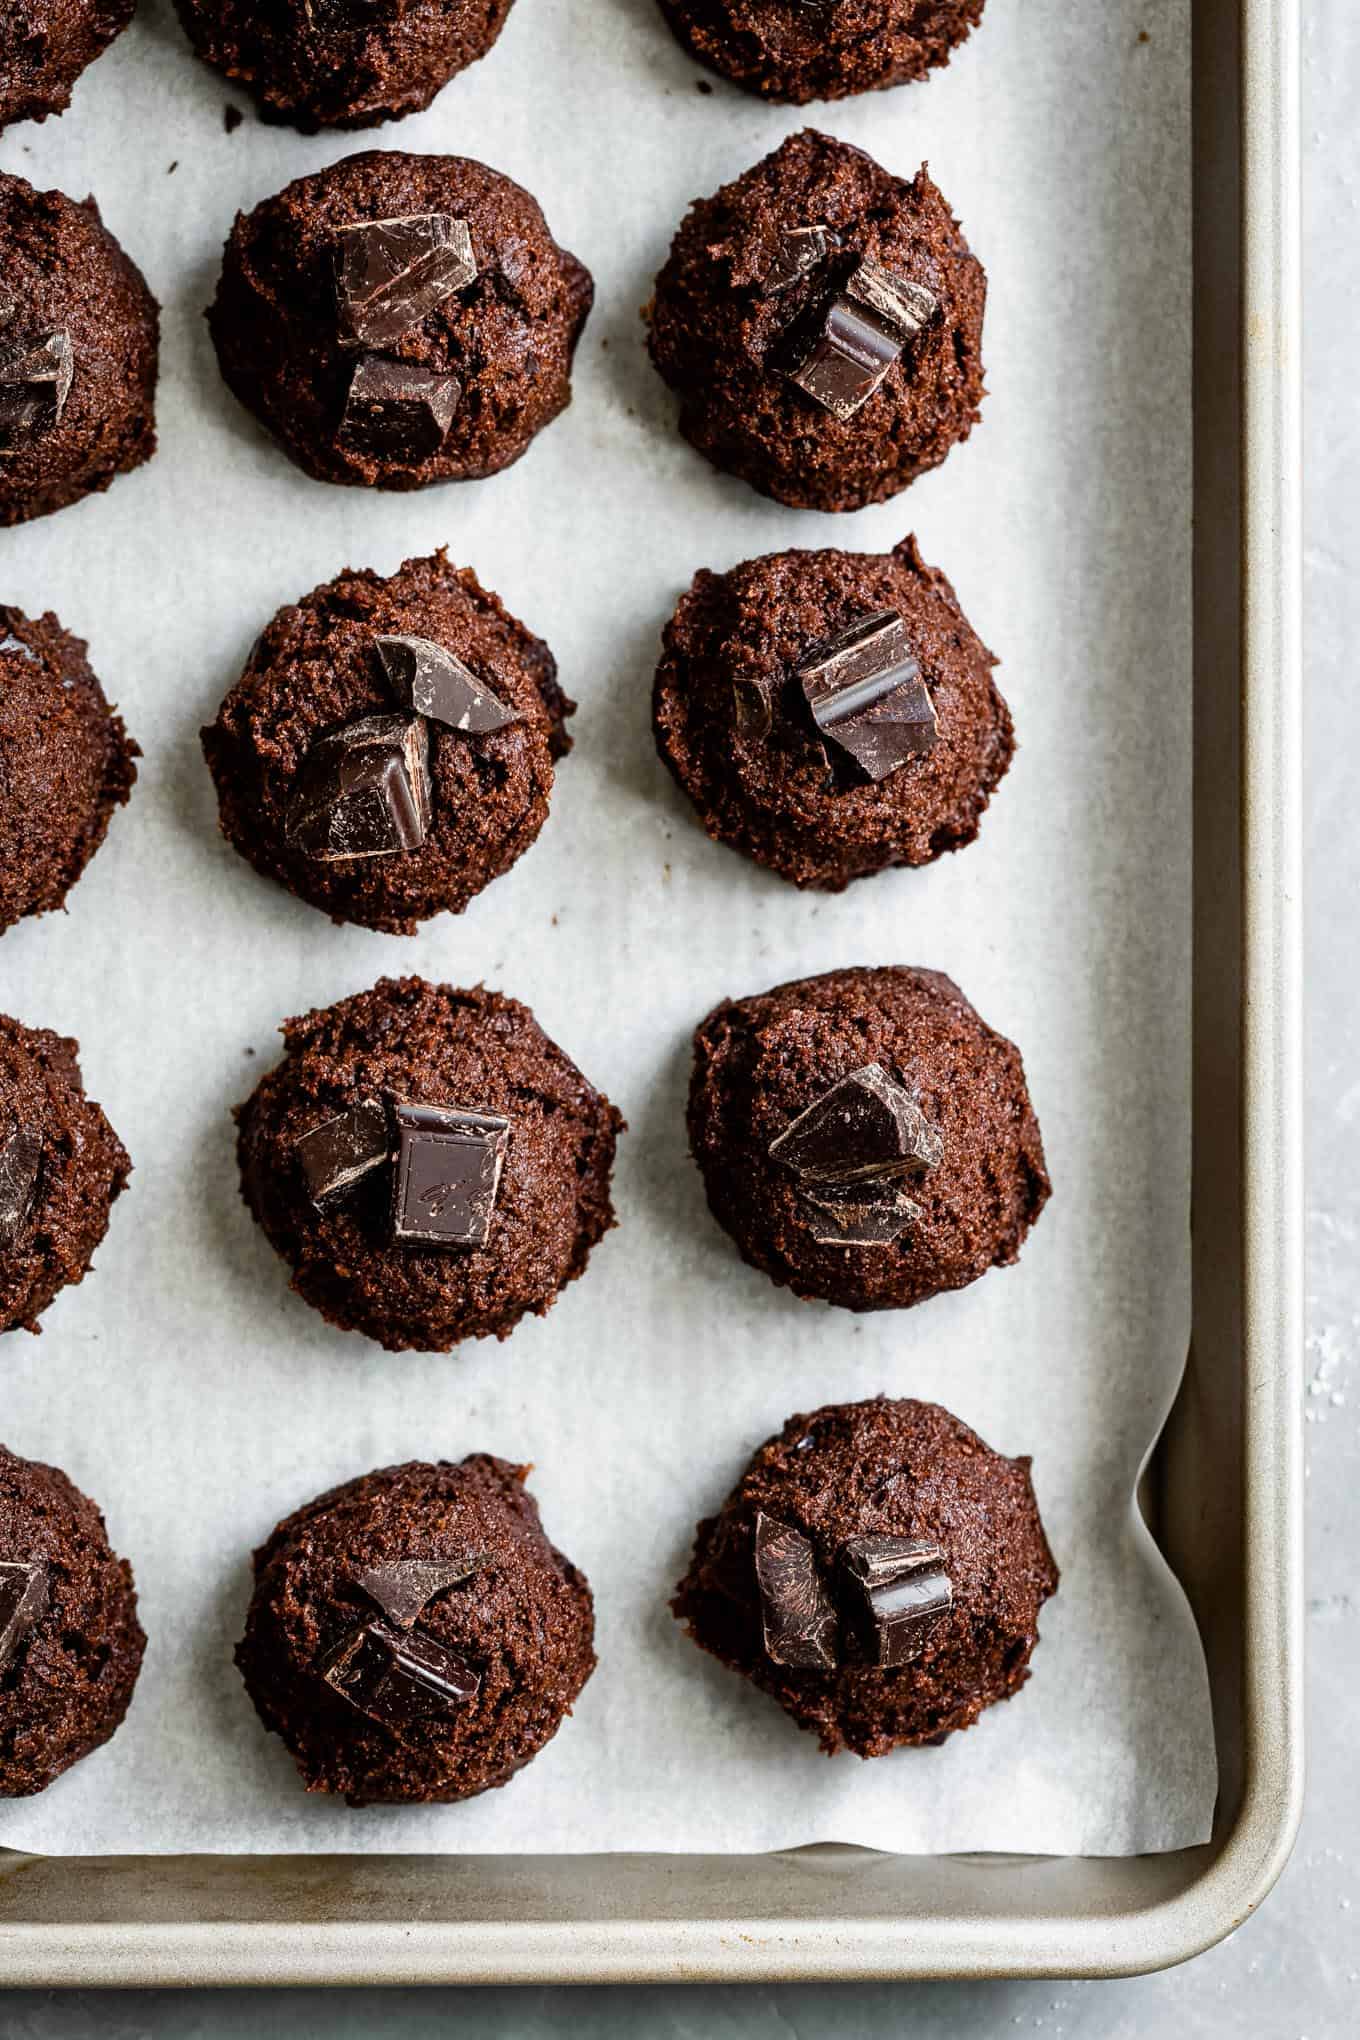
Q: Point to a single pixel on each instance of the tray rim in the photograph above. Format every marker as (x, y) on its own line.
(1237, 1872)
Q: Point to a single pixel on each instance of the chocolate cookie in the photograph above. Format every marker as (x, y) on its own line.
(878, 1571)
(797, 50)
(865, 1137)
(70, 1642)
(46, 46)
(398, 320)
(61, 1166)
(342, 63)
(413, 1635)
(79, 345)
(831, 713)
(66, 762)
(821, 323)
(389, 749)
(430, 1165)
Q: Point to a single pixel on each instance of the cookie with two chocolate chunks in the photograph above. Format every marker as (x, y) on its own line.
(61, 1167)
(397, 320)
(66, 763)
(865, 1137)
(922, 1569)
(46, 46)
(797, 50)
(489, 1195)
(79, 346)
(825, 381)
(454, 788)
(831, 714)
(414, 1636)
(342, 63)
(70, 1642)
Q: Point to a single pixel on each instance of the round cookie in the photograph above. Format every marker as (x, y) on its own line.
(455, 789)
(66, 762)
(788, 50)
(429, 1164)
(878, 1571)
(865, 1137)
(342, 63)
(830, 713)
(70, 1642)
(413, 1635)
(821, 323)
(79, 346)
(61, 1167)
(48, 43)
(397, 320)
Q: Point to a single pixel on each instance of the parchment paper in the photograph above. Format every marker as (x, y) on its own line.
(198, 1400)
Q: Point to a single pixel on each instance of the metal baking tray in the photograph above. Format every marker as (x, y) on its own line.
(1223, 1492)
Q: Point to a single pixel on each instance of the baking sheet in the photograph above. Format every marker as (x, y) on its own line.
(198, 1400)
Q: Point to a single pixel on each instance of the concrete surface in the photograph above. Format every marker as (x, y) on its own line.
(1292, 1973)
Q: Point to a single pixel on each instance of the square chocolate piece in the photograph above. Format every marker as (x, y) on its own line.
(363, 790)
(398, 411)
(400, 1679)
(391, 273)
(341, 1151)
(449, 1165)
(851, 352)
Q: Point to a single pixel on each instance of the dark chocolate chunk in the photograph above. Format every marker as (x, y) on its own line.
(391, 273)
(436, 683)
(448, 1172)
(851, 351)
(798, 1618)
(906, 307)
(404, 1587)
(797, 252)
(20, 1159)
(905, 1589)
(398, 411)
(846, 1221)
(340, 1152)
(363, 790)
(23, 1603)
(866, 1128)
(752, 704)
(866, 694)
(398, 1680)
(35, 381)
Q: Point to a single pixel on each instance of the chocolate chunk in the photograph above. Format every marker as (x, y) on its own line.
(363, 790)
(866, 1128)
(35, 381)
(391, 273)
(340, 1152)
(866, 694)
(752, 704)
(905, 1589)
(398, 1680)
(851, 351)
(23, 1603)
(448, 1172)
(397, 411)
(906, 307)
(797, 252)
(436, 683)
(798, 1618)
(20, 1159)
(404, 1587)
(874, 1221)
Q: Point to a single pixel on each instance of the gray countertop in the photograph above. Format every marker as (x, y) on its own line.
(1294, 1970)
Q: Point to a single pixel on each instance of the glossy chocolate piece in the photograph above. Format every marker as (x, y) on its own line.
(436, 683)
(391, 273)
(448, 1173)
(798, 1619)
(867, 696)
(851, 351)
(847, 1221)
(23, 1603)
(397, 411)
(752, 704)
(398, 1679)
(906, 307)
(20, 1160)
(904, 1590)
(363, 790)
(341, 1151)
(404, 1587)
(865, 1129)
(35, 381)
(797, 252)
